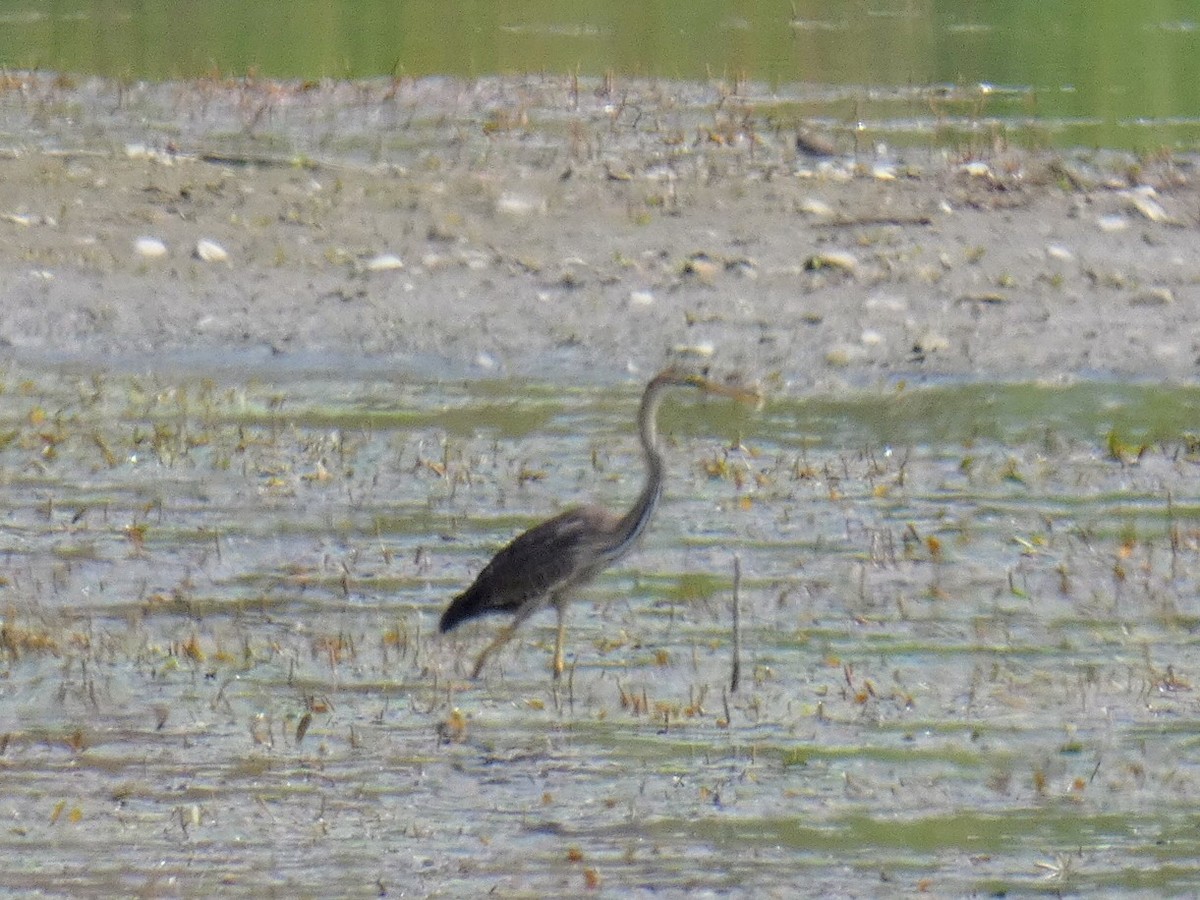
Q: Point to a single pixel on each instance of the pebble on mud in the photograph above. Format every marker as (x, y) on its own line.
(702, 267)
(931, 342)
(841, 355)
(149, 248)
(25, 220)
(702, 349)
(210, 252)
(1159, 296)
(1143, 200)
(640, 298)
(871, 338)
(883, 302)
(520, 205)
(143, 152)
(811, 206)
(831, 259)
(976, 169)
(385, 262)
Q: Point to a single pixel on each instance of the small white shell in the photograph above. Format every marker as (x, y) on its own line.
(841, 355)
(640, 298)
(1143, 200)
(976, 169)
(813, 206)
(149, 248)
(932, 342)
(832, 259)
(1156, 296)
(702, 349)
(519, 205)
(385, 262)
(210, 252)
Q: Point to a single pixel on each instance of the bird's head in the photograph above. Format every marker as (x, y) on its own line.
(678, 375)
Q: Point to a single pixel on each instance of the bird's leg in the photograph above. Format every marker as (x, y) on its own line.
(505, 635)
(560, 607)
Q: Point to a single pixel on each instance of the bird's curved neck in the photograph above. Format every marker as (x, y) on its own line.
(634, 522)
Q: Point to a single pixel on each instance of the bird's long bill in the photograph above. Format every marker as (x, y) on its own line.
(736, 392)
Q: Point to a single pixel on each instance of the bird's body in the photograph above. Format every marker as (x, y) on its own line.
(541, 566)
(555, 555)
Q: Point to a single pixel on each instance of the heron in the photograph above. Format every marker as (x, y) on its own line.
(542, 566)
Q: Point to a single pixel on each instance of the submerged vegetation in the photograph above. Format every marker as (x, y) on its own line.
(966, 638)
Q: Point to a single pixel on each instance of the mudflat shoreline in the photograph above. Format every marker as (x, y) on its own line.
(533, 229)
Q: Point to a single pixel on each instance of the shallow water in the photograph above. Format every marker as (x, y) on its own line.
(967, 640)
(970, 76)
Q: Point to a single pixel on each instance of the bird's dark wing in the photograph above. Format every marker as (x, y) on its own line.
(546, 559)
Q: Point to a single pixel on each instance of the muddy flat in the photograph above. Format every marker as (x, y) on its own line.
(529, 228)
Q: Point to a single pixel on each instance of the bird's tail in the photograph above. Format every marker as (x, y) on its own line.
(466, 605)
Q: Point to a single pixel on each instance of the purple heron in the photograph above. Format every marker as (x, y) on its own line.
(542, 566)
